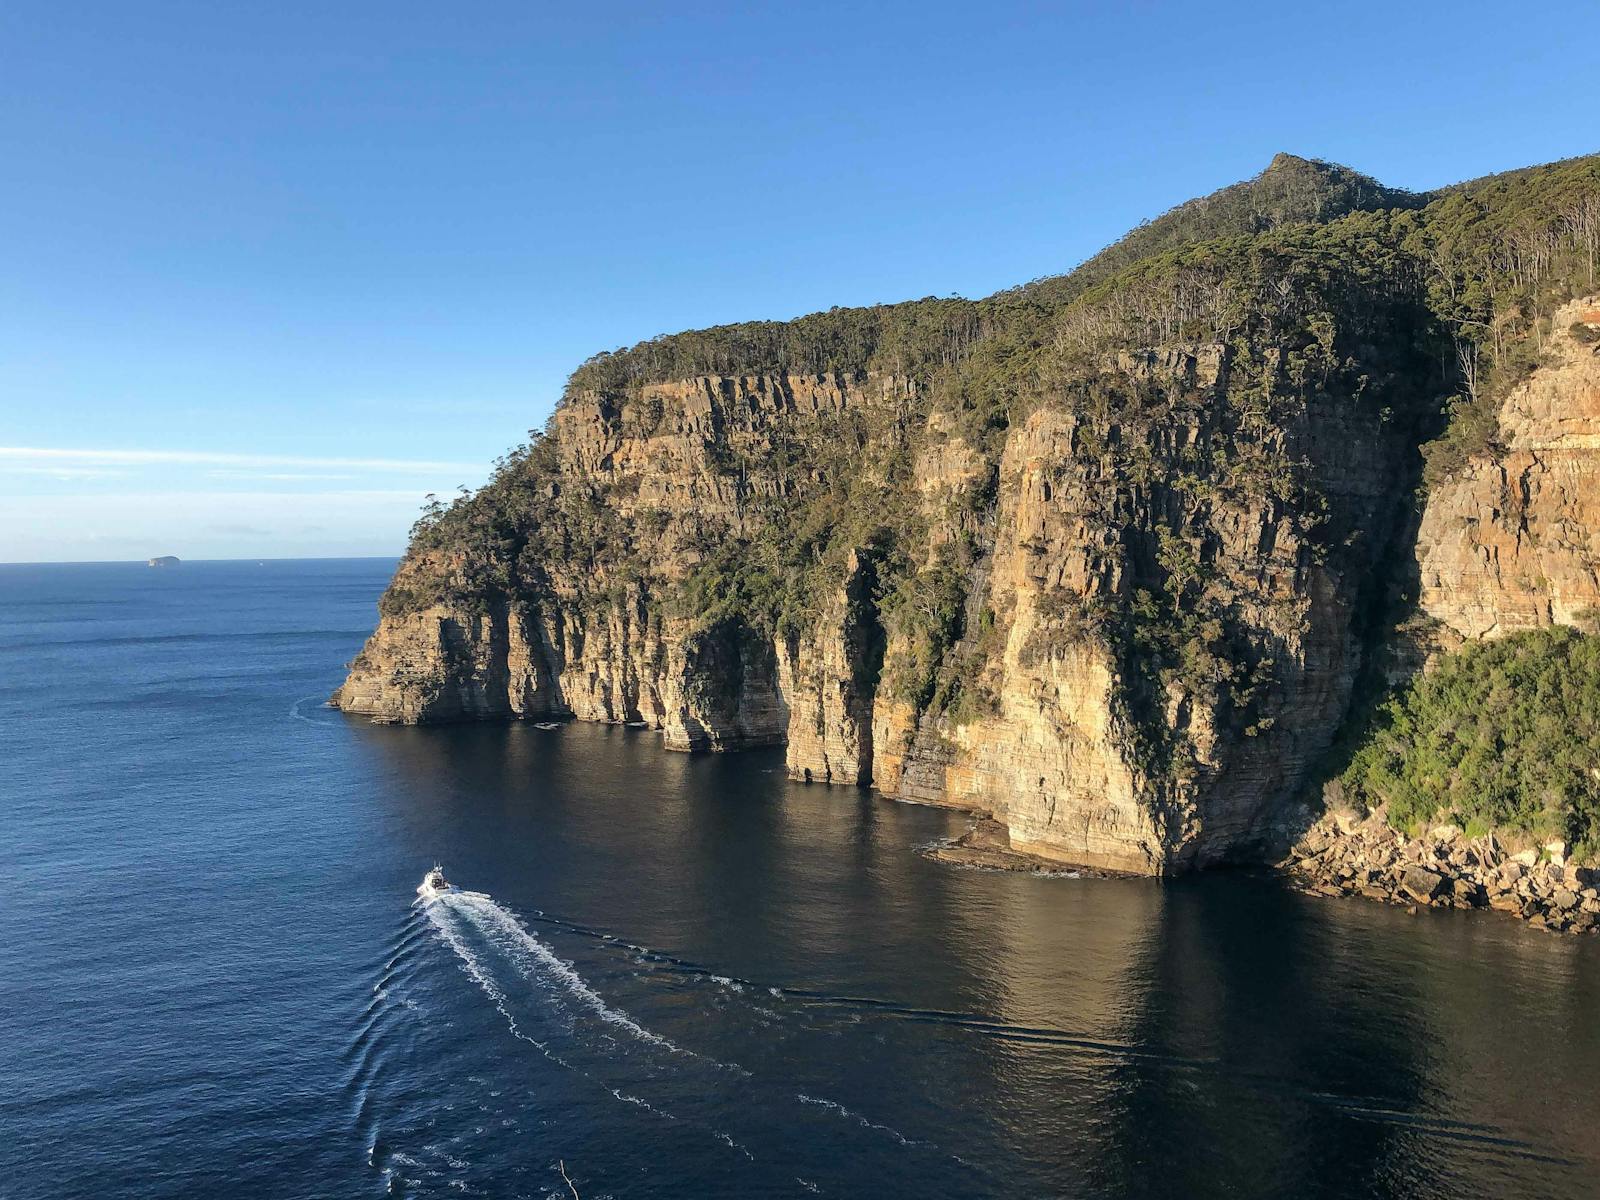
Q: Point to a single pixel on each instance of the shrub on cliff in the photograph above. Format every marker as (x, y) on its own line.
(1503, 733)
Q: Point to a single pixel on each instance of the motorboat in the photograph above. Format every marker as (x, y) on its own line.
(434, 884)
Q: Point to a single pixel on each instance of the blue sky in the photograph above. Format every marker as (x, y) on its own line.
(275, 271)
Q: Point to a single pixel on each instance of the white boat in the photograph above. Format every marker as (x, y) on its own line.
(434, 884)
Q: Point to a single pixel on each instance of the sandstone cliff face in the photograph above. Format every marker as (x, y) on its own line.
(711, 691)
(1058, 747)
(588, 644)
(1102, 559)
(1513, 541)
(830, 681)
(1064, 756)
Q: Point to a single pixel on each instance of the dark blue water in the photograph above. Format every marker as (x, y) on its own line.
(684, 976)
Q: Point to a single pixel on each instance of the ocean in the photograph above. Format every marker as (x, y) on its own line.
(667, 975)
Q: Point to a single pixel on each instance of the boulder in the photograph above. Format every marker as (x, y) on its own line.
(1422, 884)
(1314, 842)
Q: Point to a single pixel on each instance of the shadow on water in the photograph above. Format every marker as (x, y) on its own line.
(1318, 1034)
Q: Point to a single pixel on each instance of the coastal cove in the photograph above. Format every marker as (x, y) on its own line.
(681, 974)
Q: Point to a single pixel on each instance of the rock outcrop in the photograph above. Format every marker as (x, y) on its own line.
(1513, 541)
(588, 643)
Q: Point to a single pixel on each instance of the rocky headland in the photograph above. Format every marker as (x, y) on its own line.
(1120, 561)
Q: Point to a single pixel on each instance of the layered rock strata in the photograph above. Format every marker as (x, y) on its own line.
(1056, 746)
(1512, 542)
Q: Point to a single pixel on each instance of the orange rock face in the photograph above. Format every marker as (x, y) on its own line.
(1513, 542)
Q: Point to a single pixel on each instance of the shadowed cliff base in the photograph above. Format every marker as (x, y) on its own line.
(1105, 557)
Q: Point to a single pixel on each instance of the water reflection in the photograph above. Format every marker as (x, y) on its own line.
(1213, 1036)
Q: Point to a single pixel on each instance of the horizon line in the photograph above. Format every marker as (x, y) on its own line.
(256, 558)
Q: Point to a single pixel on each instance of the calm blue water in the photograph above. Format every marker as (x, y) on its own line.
(684, 976)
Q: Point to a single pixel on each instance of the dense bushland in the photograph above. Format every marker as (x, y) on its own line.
(1499, 735)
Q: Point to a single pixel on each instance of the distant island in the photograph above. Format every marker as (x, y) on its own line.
(164, 560)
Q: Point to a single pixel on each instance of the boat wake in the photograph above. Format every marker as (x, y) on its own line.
(701, 1105)
(757, 1112)
(793, 1012)
(534, 960)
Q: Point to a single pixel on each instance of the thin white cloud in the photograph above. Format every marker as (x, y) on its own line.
(270, 498)
(144, 458)
(62, 472)
(278, 475)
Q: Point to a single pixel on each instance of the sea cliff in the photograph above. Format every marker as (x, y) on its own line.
(1113, 559)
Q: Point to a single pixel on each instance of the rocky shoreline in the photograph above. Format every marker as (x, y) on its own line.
(1345, 855)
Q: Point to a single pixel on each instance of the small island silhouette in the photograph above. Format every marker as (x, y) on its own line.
(164, 560)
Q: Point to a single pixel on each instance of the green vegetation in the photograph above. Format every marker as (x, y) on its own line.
(907, 339)
(1499, 255)
(1502, 735)
(1290, 191)
(1487, 261)
(925, 608)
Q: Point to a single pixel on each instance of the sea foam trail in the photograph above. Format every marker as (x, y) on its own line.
(297, 711)
(480, 912)
(503, 929)
(476, 971)
(572, 1024)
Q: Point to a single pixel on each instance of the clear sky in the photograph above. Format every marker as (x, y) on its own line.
(273, 271)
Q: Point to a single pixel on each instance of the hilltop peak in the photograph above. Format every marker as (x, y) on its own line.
(1290, 190)
(1283, 159)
